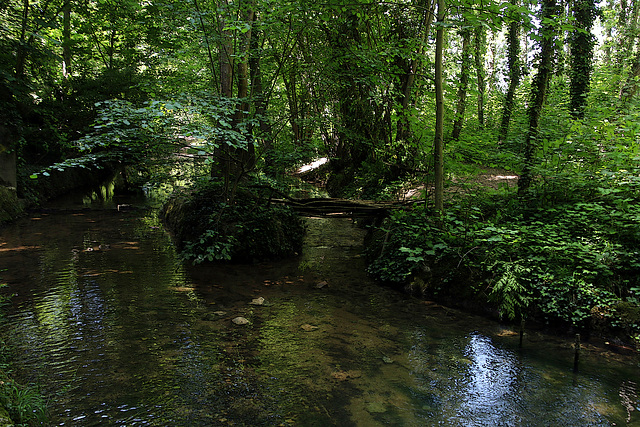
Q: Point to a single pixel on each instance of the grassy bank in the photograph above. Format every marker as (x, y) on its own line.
(20, 404)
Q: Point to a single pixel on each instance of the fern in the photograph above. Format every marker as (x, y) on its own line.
(509, 292)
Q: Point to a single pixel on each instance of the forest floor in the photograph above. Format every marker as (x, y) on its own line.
(487, 178)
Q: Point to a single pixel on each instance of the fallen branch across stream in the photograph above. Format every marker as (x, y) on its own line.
(343, 207)
(335, 207)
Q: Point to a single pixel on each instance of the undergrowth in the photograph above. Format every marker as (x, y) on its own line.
(23, 403)
(248, 228)
(572, 260)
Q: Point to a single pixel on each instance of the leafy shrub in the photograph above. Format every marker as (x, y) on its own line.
(209, 228)
(561, 263)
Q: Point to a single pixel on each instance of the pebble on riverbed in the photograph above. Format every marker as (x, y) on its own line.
(240, 320)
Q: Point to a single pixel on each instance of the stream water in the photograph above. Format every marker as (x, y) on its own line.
(118, 332)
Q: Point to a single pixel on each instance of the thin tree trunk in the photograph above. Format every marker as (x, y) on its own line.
(463, 85)
(21, 53)
(538, 93)
(403, 129)
(214, 74)
(438, 143)
(66, 39)
(480, 41)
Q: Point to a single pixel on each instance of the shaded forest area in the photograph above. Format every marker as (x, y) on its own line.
(400, 95)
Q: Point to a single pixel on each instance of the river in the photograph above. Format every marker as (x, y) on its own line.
(117, 331)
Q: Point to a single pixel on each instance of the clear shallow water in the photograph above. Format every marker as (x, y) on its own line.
(118, 332)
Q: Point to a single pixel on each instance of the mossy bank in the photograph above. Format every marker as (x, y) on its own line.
(249, 228)
(55, 183)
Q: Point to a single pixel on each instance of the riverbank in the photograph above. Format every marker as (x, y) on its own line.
(49, 185)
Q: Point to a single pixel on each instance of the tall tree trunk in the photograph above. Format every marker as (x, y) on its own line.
(515, 72)
(480, 41)
(359, 127)
(403, 128)
(538, 92)
(245, 156)
(66, 39)
(214, 74)
(630, 86)
(21, 53)
(221, 167)
(582, 42)
(438, 142)
(463, 85)
(259, 97)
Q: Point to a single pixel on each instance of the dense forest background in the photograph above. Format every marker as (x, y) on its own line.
(424, 94)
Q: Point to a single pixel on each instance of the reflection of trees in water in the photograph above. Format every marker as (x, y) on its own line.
(629, 397)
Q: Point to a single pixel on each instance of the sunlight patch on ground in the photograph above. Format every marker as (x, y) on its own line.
(313, 165)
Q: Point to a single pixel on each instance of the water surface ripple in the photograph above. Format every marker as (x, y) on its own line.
(117, 331)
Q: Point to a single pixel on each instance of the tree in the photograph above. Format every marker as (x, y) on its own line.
(66, 39)
(438, 142)
(463, 85)
(411, 68)
(548, 9)
(514, 65)
(479, 49)
(581, 42)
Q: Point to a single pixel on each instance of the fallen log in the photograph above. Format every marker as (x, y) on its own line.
(341, 207)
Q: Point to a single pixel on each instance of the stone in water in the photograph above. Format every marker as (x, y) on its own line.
(240, 320)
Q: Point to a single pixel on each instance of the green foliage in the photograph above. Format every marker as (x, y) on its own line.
(249, 228)
(510, 292)
(212, 246)
(572, 262)
(25, 404)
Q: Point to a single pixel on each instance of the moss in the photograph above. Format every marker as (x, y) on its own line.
(61, 182)
(629, 315)
(5, 418)
(206, 226)
(10, 206)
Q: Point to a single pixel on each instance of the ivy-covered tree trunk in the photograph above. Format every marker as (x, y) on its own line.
(538, 92)
(515, 72)
(463, 84)
(581, 42)
(258, 95)
(359, 122)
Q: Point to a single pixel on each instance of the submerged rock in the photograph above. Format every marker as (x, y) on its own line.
(345, 375)
(240, 321)
(321, 285)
